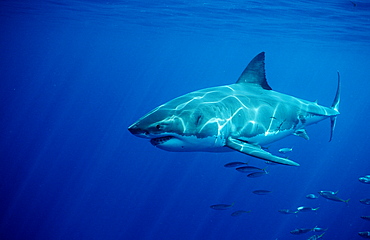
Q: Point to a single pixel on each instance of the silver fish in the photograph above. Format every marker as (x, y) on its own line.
(298, 231)
(319, 229)
(287, 211)
(314, 237)
(365, 201)
(257, 174)
(285, 150)
(364, 234)
(221, 206)
(307, 209)
(332, 196)
(311, 196)
(365, 179)
(261, 192)
(328, 192)
(234, 164)
(248, 169)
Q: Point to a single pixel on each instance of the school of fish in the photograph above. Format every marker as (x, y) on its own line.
(253, 171)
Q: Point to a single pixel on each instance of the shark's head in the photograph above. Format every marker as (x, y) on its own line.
(182, 124)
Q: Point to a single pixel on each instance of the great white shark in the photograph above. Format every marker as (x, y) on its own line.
(244, 116)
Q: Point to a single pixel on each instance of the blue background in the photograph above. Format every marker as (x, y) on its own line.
(75, 74)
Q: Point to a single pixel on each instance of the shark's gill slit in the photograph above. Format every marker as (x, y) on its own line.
(198, 120)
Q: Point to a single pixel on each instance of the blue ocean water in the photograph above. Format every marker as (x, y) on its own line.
(76, 74)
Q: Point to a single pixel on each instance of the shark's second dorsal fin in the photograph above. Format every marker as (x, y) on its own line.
(254, 73)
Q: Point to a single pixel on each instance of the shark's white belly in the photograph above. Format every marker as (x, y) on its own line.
(192, 143)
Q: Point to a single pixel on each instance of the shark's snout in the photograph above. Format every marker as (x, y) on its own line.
(135, 130)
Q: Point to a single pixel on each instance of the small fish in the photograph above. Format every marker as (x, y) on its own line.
(257, 174)
(298, 231)
(332, 196)
(364, 234)
(239, 212)
(365, 201)
(287, 211)
(285, 150)
(234, 164)
(307, 209)
(221, 206)
(311, 196)
(328, 192)
(366, 217)
(319, 229)
(365, 179)
(247, 169)
(314, 237)
(261, 192)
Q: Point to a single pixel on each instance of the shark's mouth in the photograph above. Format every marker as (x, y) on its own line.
(160, 140)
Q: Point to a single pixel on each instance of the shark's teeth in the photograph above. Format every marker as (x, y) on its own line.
(160, 140)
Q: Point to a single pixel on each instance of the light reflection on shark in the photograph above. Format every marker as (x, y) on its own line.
(243, 117)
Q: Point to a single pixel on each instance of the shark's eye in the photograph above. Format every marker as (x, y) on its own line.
(158, 127)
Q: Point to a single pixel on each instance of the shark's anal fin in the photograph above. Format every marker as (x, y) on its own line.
(302, 133)
(256, 151)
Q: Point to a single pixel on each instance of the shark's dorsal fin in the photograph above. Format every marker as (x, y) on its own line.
(254, 73)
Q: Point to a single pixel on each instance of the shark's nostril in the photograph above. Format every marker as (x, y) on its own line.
(134, 129)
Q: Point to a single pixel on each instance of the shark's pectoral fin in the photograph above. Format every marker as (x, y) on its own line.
(256, 151)
(302, 133)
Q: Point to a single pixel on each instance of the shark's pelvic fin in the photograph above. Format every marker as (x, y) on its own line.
(335, 106)
(254, 73)
(256, 151)
(302, 133)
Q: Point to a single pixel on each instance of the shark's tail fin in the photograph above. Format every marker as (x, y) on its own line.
(335, 106)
